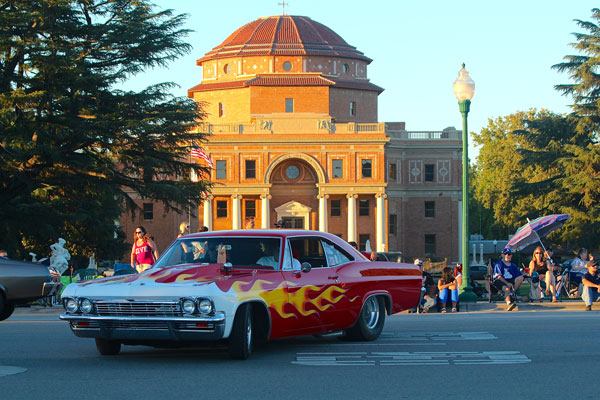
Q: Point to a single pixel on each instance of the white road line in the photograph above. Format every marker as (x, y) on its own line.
(8, 370)
(391, 358)
(445, 336)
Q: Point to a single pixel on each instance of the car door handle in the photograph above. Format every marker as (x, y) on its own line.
(334, 277)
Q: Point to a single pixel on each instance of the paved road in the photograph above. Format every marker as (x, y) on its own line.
(429, 356)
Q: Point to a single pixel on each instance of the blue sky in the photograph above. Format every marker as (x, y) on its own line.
(417, 48)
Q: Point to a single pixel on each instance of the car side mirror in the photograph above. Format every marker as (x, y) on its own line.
(306, 267)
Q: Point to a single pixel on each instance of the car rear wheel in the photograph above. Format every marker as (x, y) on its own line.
(108, 347)
(370, 321)
(240, 340)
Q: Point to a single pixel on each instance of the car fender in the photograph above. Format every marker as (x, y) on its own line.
(265, 329)
(386, 295)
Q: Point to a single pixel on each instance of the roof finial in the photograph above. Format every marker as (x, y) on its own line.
(283, 4)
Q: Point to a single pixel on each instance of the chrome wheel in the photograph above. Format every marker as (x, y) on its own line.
(371, 313)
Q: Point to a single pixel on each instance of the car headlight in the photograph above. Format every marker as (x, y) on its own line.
(188, 306)
(71, 305)
(86, 306)
(205, 306)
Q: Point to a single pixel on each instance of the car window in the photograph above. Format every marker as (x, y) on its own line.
(310, 250)
(335, 254)
(240, 251)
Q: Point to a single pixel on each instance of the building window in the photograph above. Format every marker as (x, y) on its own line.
(430, 209)
(363, 208)
(392, 171)
(221, 110)
(289, 105)
(393, 223)
(221, 169)
(429, 172)
(336, 208)
(250, 169)
(221, 209)
(148, 211)
(345, 68)
(337, 169)
(430, 245)
(227, 68)
(367, 168)
(250, 208)
(353, 108)
(362, 242)
(287, 66)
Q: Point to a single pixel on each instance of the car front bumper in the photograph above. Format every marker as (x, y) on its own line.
(202, 328)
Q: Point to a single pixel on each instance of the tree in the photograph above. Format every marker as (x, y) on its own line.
(73, 147)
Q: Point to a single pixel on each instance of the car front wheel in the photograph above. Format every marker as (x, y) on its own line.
(240, 340)
(108, 347)
(6, 309)
(370, 321)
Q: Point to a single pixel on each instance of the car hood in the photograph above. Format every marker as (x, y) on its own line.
(158, 282)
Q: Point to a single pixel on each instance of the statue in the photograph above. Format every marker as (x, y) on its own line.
(33, 257)
(60, 256)
(92, 264)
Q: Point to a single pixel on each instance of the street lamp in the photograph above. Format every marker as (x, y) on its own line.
(464, 88)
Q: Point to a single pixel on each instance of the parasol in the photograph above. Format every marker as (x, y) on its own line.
(534, 231)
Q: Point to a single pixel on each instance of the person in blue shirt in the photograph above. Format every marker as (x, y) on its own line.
(507, 277)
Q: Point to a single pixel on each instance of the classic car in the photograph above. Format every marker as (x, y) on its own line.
(22, 282)
(241, 287)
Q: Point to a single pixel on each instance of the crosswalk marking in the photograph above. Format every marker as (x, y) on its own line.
(394, 358)
(437, 336)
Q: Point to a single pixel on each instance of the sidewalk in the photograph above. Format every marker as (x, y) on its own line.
(500, 306)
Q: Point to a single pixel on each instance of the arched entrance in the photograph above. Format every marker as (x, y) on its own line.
(294, 193)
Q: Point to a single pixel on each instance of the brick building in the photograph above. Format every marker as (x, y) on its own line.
(292, 118)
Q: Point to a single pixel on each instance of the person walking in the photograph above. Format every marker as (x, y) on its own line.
(143, 252)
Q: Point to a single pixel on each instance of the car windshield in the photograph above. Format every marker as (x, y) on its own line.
(239, 251)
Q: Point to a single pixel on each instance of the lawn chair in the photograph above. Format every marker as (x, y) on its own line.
(86, 274)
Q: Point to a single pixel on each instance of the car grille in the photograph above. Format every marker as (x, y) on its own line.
(136, 325)
(138, 308)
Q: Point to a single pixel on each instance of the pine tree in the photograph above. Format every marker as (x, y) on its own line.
(73, 146)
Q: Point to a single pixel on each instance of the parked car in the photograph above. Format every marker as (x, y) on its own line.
(393, 256)
(243, 286)
(22, 282)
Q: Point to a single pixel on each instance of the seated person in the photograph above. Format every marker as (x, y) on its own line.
(271, 257)
(578, 268)
(427, 299)
(210, 254)
(591, 284)
(447, 286)
(507, 277)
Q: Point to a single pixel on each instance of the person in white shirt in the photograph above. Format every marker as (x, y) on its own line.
(271, 257)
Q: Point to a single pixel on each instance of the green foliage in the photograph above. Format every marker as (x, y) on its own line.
(73, 147)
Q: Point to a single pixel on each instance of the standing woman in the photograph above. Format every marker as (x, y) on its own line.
(143, 252)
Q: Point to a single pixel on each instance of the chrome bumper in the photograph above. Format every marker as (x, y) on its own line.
(147, 328)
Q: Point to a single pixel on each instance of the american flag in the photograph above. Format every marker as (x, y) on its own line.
(199, 153)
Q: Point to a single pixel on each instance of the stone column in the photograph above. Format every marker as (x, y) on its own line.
(237, 215)
(323, 212)
(352, 217)
(266, 210)
(208, 212)
(380, 221)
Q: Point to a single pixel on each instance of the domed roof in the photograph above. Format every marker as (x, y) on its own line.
(284, 35)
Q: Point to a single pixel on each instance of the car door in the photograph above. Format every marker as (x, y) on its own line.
(312, 294)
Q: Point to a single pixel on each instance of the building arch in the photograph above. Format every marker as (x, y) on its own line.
(321, 176)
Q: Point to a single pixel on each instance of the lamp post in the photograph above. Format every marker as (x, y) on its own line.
(464, 88)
